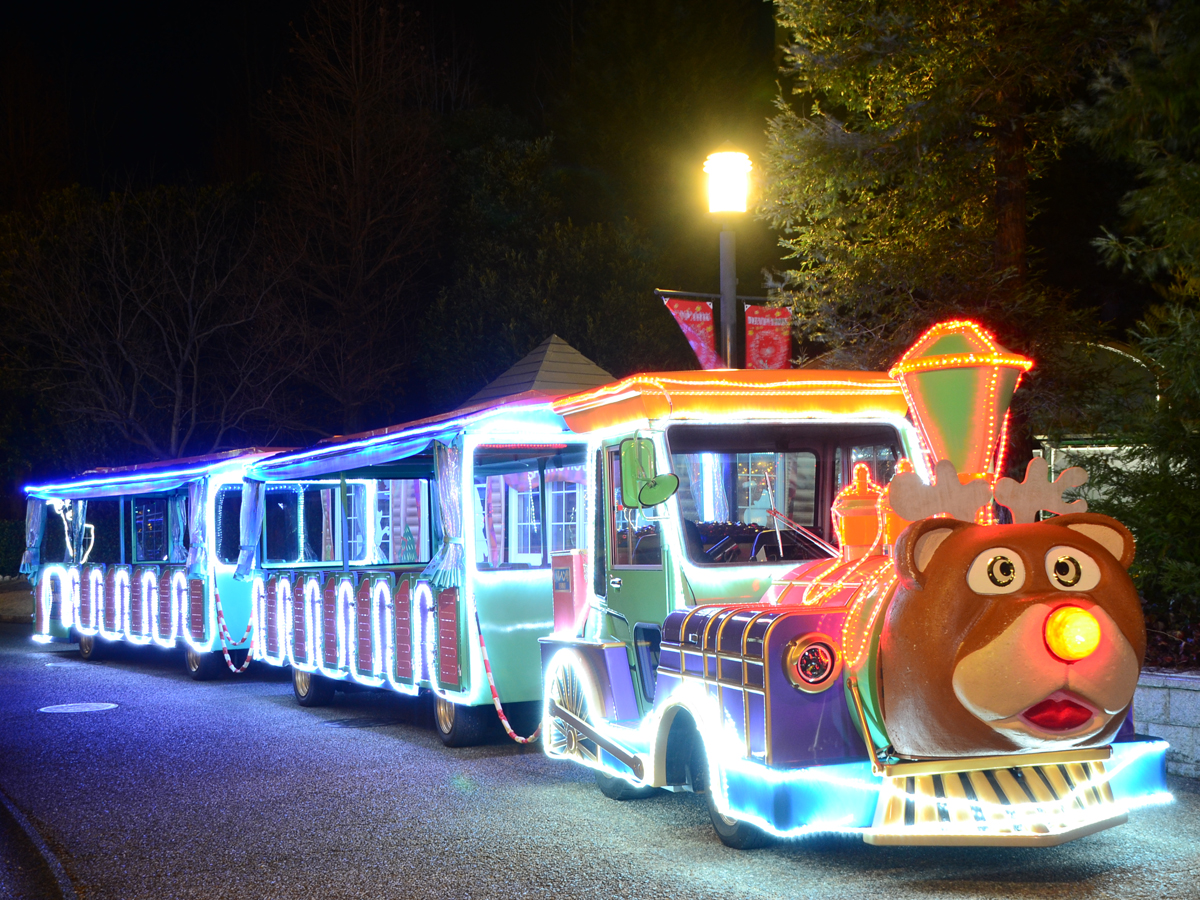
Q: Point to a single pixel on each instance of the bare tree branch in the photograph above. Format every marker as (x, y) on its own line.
(148, 313)
(358, 196)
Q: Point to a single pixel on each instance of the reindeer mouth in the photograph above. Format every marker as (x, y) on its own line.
(1060, 711)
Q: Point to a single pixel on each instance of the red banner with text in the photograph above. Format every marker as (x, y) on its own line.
(695, 318)
(768, 337)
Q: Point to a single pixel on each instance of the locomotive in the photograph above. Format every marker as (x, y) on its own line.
(938, 678)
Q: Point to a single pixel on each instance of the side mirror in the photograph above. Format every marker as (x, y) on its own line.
(641, 485)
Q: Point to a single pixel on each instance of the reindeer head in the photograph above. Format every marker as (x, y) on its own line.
(1003, 638)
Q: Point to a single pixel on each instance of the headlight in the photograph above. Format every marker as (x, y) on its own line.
(812, 663)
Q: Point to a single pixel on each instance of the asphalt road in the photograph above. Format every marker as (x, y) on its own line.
(229, 789)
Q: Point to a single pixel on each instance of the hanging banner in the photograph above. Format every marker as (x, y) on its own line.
(768, 337)
(695, 318)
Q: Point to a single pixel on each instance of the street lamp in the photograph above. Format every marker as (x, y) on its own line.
(728, 184)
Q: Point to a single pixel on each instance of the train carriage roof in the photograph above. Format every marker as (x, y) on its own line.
(733, 393)
(405, 451)
(146, 478)
(519, 397)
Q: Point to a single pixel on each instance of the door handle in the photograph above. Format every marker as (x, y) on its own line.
(614, 583)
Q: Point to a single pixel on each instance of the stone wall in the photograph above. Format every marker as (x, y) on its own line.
(1167, 705)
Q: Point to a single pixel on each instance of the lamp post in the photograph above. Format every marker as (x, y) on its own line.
(728, 184)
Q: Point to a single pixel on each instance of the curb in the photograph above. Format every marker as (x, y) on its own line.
(65, 888)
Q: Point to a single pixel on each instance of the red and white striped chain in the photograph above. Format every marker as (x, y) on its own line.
(487, 667)
(227, 638)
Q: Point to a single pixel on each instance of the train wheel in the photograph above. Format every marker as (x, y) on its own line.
(202, 666)
(311, 688)
(616, 788)
(732, 832)
(459, 726)
(572, 691)
(90, 647)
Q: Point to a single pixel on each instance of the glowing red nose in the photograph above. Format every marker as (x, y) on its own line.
(1072, 633)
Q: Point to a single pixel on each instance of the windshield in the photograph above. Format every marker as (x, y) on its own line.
(761, 494)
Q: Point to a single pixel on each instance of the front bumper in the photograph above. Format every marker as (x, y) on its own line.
(966, 803)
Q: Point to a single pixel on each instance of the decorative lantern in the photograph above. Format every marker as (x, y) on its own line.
(958, 383)
(856, 514)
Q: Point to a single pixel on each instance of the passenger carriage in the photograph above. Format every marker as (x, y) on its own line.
(418, 557)
(144, 555)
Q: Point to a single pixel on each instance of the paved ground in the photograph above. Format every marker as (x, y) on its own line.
(16, 601)
(230, 789)
(23, 873)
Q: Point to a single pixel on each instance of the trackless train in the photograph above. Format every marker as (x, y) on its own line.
(788, 591)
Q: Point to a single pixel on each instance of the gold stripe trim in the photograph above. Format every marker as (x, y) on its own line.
(1013, 760)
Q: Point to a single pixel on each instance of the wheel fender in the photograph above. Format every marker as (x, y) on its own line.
(573, 659)
(659, 774)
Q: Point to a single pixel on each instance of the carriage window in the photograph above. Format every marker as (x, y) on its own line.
(880, 459)
(320, 536)
(300, 523)
(749, 494)
(357, 522)
(150, 529)
(529, 502)
(402, 525)
(228, 515)
(635, 540)
(281, 522)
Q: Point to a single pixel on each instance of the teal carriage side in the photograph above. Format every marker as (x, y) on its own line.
(143, 555)
(398, 558)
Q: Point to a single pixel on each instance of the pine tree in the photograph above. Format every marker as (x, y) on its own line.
(1152, 482)
(901, 170)
(1147, 114)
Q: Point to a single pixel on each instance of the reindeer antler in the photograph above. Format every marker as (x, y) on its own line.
(1037, 492)
(913, 499)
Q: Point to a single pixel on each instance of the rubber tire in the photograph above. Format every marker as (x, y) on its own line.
(311, 688)
(202, 666)
(616, 788)
(459, 726)
(733, 832)
(92, 647)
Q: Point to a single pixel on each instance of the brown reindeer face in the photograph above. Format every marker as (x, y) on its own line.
(1006, 638)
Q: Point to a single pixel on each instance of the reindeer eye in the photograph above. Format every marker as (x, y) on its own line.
(1070, 569)
(1001, 571)
(996, 571)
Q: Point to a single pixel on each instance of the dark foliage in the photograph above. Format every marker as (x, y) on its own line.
(523, 271)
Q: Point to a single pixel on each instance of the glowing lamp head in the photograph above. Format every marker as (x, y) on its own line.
(728, 181)
(1072, 633)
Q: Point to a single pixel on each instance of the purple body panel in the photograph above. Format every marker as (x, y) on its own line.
(779, 724)
(610, 664)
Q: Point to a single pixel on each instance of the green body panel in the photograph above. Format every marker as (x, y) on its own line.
(515, 609)
(646, 592)
(868, 674)
(713, 584)
(57, 630)
(642, 597)
(236, 604)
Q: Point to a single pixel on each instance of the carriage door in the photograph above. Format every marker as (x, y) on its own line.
(637, 582)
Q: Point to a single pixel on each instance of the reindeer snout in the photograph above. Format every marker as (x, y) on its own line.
(1072, 633)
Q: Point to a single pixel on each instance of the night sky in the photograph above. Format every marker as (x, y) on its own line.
(154, 92)
(164, 92)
